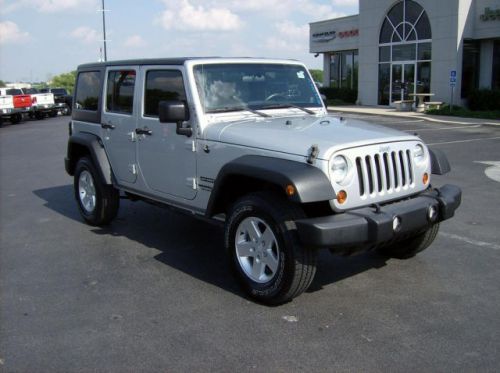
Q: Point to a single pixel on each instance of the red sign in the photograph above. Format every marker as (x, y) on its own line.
(348, 34)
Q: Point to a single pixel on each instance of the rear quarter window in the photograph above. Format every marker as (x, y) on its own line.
(87, 90)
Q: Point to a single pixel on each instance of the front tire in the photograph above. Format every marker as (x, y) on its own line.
(411, 246)
(98, 202)
(269, 261)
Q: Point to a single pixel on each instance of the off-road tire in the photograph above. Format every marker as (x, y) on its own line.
(107, 198)
(410, 247)
(296, 264)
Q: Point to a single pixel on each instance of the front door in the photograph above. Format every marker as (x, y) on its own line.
(402, 81)
(118, 123)
(167, 160)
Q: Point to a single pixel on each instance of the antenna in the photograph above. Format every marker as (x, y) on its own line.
(103, 10)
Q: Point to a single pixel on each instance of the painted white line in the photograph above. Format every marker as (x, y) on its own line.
(492, 172)
(470, 241)
(443, 128)
(461, 141)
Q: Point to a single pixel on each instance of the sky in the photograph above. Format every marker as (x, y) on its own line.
(43, 38)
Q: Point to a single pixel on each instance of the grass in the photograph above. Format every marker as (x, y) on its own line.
(459, 111)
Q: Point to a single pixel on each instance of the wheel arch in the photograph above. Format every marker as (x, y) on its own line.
(85, 144)
(252, 173)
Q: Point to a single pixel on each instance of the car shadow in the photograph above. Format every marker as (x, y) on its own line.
(194, 246)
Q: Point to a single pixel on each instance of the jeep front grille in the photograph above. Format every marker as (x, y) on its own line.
(384, 172)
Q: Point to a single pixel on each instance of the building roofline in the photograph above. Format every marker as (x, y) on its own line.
(334, 19)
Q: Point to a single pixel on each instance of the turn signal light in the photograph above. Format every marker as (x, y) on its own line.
(290, 190)
(341, 196)
(425, 178)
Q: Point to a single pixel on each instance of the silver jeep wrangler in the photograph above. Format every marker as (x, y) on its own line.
(250, 143)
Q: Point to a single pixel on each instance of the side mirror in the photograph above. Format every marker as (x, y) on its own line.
(173, 111)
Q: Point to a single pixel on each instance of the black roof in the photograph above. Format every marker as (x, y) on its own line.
(149, 61)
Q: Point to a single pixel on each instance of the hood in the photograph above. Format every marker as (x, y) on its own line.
(296, 134)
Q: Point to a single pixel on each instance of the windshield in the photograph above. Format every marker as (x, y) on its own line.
(231, 87)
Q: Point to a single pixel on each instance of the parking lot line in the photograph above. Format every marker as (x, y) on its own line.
(462, 141)
(470, 241)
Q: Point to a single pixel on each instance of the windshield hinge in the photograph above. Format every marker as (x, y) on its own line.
(312, 154)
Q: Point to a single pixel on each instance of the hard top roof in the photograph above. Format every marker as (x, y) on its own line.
(160, 61)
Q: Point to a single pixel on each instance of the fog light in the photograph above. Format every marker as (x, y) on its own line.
(396, 224)
(432, 213)
(341, 196)
(290, 190)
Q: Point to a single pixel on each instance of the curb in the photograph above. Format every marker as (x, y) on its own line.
(422, 117)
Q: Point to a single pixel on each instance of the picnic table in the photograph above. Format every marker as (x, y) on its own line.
(420, 107)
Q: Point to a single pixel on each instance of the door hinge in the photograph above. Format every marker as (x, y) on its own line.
(132, 168)
(193, 146)
(191, 182)
(132, 136)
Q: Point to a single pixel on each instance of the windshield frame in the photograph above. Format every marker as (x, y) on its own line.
(287, 103)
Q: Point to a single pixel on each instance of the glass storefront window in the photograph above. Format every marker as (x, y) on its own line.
(424, 51)
(470, 67)
(384, 83)
(495, 79)
(404, 52)
(344, 69)
(423, 77)
(385, 54)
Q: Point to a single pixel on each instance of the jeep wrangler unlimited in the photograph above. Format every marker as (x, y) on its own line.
(249, 142)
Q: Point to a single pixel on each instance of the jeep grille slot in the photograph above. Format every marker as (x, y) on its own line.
(384, 172)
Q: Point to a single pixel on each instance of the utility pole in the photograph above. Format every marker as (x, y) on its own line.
(104, 31)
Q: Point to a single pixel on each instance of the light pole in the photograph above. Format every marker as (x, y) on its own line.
(104, 31)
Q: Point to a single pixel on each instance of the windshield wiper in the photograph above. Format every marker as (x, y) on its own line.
(284, 106)
(237, 108)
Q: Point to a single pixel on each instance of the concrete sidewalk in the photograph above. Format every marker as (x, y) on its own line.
(391, 112)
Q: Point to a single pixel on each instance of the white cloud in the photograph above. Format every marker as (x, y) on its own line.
(288, 37)
(86, 35)
(11, 33)
(185, 16)
(134, 41)
(345, 2)
(50, 6)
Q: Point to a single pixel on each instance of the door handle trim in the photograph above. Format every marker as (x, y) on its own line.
(143, 131)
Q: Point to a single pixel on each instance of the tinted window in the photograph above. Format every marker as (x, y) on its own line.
(162, 85)
(120, 91)
(59, 91)
(87, 90)
(14, 92)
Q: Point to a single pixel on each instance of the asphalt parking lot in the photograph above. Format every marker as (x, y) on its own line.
(153, 292)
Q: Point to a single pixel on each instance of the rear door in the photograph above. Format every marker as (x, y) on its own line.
(119, 121)
(167, 160)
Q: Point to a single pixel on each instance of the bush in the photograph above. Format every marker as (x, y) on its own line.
(347, 95)
(484, 99)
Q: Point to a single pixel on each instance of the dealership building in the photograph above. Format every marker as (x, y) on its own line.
(392, 49)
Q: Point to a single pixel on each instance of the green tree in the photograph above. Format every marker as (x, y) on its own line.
(2, 84)
(66, 80)
(317, 75)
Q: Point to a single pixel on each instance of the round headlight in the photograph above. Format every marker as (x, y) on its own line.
(340, 169)
(418, 153)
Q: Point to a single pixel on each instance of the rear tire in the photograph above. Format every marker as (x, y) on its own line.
(412, 246)
(39, 115)
(53, 113)
(16, 118)
(98, 202)
(271, 264)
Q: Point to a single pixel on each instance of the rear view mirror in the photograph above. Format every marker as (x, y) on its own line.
(173, 111)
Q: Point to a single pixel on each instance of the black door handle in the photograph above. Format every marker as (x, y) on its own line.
(143, 131)
(108, 126)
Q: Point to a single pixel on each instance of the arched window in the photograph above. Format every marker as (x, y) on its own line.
(405, 52)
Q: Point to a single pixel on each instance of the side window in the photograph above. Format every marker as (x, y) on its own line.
(87, 90)
(162, 85)
(120, 91)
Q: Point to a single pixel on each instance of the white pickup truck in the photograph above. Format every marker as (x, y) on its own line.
(42, 103)
(6, 107)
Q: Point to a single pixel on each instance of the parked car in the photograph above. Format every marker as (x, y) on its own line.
(6, 107)
(250, 143)
(62, 99)
(42, 104)
(22, 103)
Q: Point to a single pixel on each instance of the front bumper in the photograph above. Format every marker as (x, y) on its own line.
(369, 226)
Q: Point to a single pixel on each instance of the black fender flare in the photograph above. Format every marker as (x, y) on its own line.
(439, 162)
(310, 183)
(97, 153)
